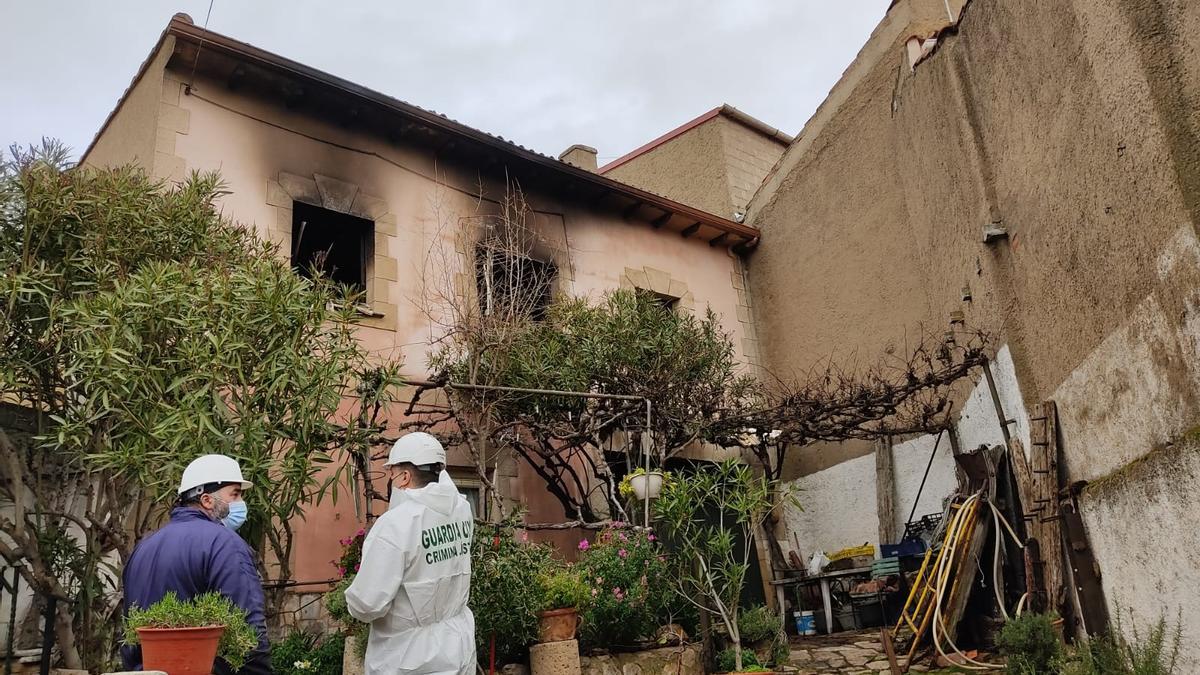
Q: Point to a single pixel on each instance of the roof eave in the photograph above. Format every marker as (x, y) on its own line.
(746, 235)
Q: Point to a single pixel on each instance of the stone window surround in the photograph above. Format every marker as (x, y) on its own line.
(658, 281)
(541, 248)
(343, 197)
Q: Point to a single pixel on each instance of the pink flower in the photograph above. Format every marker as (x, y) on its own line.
(623, 553)
(360, 533)
(623, 537)
(584, 545)
(523, 537)
(618, 594)
(651, 537)
(595, 592)
(618, 523)
(356, 566)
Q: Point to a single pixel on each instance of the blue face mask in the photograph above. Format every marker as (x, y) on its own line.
(237, 515)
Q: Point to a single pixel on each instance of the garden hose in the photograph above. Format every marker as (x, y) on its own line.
(960, 530)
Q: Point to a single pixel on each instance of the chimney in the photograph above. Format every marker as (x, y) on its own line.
(581, 156)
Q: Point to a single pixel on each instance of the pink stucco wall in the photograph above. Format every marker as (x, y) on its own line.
(223, 134)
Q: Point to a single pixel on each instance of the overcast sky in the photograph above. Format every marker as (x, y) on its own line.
(545, 73)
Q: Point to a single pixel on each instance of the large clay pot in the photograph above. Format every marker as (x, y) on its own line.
(180, 651)
(556, 625)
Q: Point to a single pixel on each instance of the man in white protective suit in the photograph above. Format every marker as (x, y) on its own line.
(415, 575)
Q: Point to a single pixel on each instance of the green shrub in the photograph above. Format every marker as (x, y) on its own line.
(564, 588)
(727, 661)
(631, 592)
(210, 609)
(758, 623)
(303, 653)
(505, 574)
(335, 604)
(1155, 652)
(1030, 644)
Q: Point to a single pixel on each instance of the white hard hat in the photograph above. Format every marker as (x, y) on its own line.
(212, 469)
(417, 448)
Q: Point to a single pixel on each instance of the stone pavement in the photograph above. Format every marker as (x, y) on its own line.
(850, 652)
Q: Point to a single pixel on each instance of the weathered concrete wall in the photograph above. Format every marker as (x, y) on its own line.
(1075, 126)
(1140, 521)
(131, 133)
(690, 165)
(749, 157)
(716, 166)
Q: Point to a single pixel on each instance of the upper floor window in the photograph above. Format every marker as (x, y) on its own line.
(336, 244)
(509, 284)
(667, 303)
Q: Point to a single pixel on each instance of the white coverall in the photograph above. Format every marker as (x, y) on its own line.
(413, 582)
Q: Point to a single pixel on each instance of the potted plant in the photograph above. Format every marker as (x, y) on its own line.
(641, 484)
(563, 592)
(185, 637)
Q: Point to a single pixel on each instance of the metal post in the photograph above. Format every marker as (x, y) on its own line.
(12, 620)
(647, 443)
(1004, 421)
(48, 634)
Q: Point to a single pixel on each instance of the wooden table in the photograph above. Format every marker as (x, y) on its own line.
(824, 579)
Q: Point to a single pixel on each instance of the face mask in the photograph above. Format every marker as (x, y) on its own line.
(235, 516)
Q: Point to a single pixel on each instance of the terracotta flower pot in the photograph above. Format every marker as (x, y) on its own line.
(180, 651)
(556, 625)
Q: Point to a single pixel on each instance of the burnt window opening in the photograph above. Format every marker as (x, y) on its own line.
(337, 245)
(666, 303)
(513, 285)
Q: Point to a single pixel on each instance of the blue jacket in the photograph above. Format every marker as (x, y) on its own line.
(192, 555)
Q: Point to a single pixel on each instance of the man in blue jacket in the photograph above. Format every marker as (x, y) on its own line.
(198, 551)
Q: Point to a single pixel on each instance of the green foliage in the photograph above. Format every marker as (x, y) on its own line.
(1031, 645)
(335, 604)
(625, 343)
(631, 596)
(1152, 652)
(210, 609)
(505, 575)
(711, 569)
(758, 623)
(144, 329)
(781, 653)
(563, 588)
(303, 653)
(727, 661)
